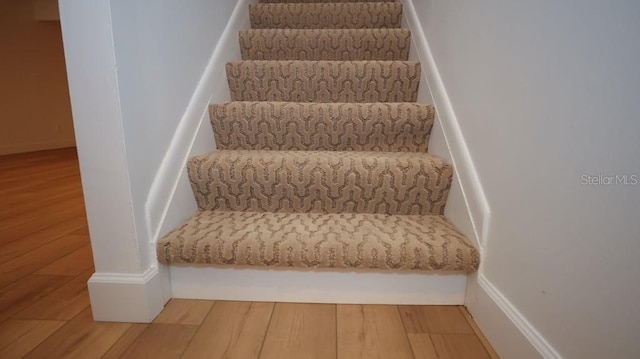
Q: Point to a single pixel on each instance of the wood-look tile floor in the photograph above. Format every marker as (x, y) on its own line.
(45, 262)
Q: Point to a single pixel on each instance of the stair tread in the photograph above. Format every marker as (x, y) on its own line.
(389, 127)
(324, 81)
(325, 44)
(320, 181)
(319, 240)
(341, 15)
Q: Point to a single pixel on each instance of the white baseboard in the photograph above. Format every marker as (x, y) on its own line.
(117, 297)
(279, 285)
(497, 327)
(508, 331)
(521, 324)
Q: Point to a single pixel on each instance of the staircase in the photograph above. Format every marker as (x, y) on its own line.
(321, 157)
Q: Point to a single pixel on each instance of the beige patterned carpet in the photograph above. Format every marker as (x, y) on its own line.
(320, 181)
(316, 240)
(325, 44)
(324, 81)
(322, 154)
(299, 126)
(327, 15)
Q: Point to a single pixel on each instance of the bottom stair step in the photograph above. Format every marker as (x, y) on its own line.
(319, 240)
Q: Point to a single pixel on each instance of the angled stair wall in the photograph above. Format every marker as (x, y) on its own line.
(321, 159)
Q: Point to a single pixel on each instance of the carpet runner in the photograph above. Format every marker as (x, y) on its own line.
(321, 157)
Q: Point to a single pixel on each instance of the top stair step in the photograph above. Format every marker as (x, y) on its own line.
(346, 15)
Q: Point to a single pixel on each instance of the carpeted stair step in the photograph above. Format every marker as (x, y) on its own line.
(320, 181)
(324, 81)
(344, 15)
(388, 127)
(319, 240)
(325, 44)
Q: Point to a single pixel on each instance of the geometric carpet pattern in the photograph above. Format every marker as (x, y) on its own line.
(321, 158)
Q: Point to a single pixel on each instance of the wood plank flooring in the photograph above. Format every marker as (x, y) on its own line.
(46, 260)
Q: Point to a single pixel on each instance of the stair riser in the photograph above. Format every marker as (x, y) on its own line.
(313, 181)
(334, 45)
(326, 15)
(322, 127)
(331, 286)
(324, 81)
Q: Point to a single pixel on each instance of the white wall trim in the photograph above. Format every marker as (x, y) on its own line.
(124, 297)
(526, 328)
(473, 193)
(317, 286)
(501, 331)
(167, 178)
(125, 278)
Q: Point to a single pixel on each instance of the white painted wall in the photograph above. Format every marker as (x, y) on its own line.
(545, 92)
(161, 49)
(35, 113)
(133, 68)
